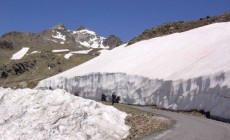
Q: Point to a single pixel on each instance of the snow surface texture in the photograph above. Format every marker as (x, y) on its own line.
(45, 114)
(191, 60)
(20, 53)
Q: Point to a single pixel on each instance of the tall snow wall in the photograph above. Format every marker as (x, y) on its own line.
(208, 93)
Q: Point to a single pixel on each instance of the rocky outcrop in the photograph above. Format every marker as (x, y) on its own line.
(23, 84)
(16, 68)
(112, 41)
(56, 36)
(5, 44)
(60, 26)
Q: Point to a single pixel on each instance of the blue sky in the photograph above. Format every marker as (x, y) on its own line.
(125, 18)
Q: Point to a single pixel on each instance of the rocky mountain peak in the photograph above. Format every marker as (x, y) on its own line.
(112, 41)
(60, 26)
(81, 28)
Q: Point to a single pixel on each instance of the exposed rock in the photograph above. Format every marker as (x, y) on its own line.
(60, 26)
(3, 74)
(112, 41)
(17, 68)
(5, 44)
(22, 84)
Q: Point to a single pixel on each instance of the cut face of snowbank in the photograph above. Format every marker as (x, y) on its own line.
(208, 93)
(20, 53)
(37, 114)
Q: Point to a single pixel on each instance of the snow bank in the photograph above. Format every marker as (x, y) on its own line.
(187, 63)
(37, 114)
(20, 53)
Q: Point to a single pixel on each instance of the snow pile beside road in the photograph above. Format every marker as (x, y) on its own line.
(37, 114)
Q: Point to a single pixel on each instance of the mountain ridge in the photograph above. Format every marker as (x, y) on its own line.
(179, 26)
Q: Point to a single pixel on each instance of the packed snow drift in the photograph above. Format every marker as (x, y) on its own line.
(182, 71)
(45, 114)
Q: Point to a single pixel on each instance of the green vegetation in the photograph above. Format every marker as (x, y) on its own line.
(32, 75)
(81, 28)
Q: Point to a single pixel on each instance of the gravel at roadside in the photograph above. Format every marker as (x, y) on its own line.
(142, 123)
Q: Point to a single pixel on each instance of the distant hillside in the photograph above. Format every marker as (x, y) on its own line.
(177, 27)
(29, 57)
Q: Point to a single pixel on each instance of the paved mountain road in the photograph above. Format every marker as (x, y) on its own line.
(189, 127)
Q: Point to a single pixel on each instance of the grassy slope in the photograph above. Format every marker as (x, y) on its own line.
(177, 27)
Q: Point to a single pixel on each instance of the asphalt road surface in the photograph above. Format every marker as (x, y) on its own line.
(189, 127)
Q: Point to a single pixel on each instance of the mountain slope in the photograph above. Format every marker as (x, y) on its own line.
(180, 26)
(182, 71)
(54, 50)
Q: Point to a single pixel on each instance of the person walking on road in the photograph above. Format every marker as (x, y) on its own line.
(113, 98)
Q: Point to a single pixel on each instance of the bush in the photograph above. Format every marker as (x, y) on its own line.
(81, 28)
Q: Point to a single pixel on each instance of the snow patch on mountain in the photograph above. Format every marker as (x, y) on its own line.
(35, 52)
(58, 35)
(84, 43)
(20, 53)
(61, 50)
(45, 114)
(86, 31)
(68, 55)
(88, 38)
(82, 52)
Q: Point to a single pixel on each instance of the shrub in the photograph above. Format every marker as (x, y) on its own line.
(81, 28)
